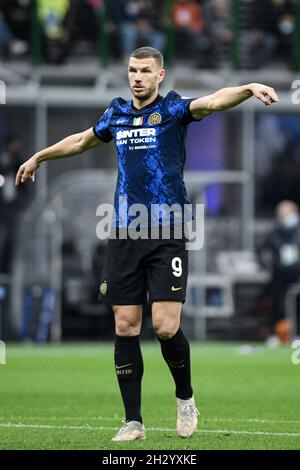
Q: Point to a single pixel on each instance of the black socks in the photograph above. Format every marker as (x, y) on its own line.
(129, 369)
(176, 352)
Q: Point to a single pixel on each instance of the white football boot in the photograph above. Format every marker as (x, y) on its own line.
(187, 417)
(131, 431)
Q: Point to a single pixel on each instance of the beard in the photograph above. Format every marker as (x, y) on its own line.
(143, 95)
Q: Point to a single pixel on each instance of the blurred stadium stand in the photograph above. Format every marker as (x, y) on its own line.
(62, 63)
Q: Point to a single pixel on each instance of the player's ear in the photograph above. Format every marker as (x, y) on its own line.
(162, 74)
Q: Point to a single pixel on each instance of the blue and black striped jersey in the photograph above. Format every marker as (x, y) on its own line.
(151, 154)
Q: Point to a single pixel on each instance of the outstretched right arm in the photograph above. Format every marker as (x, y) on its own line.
(68, 147)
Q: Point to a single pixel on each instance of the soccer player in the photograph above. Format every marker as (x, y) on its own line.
(149, 133)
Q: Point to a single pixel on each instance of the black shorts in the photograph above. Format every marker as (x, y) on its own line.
(135, 268)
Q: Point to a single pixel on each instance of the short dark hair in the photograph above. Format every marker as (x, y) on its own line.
(147, 53)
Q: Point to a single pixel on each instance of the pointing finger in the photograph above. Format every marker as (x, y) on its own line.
(273, 95)
(24, 177)
(19, 176)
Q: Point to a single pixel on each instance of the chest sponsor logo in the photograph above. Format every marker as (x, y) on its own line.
(136, 138)
(131, 133)
(155, 118)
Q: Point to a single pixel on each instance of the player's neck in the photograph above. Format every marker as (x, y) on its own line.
(139, 104)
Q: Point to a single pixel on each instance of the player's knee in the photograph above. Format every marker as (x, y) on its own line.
(164, 330)
(127, 327)
(127, 320)
(165, 320)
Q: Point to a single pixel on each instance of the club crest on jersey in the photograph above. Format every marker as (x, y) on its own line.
(155, 118)
(103, 288)
(138, 121)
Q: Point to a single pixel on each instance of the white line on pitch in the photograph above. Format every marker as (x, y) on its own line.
(117, 418)
(102, 428)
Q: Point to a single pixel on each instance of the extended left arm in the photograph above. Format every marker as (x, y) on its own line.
(227, 98)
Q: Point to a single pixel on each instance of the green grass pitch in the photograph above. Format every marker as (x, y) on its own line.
(66, 397)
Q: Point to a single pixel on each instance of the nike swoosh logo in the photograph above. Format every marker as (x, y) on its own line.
(122, 367)
(175, 288)
(176, 363)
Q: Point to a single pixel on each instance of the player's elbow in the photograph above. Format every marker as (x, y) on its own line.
(82, 142)
(87, 141)
(215, 104)
(212, 106)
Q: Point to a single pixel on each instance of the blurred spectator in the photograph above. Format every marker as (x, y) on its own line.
(139, 22)
(5, 35)
(217, 14)
(286, 27)
(56, 34)
(273, 30)
(282, 180)
(11, 199)
(96, 5)
(17, 14)
(83, 24)
(10, 160)
(280, 255)
(9, 164)
(189, 24)
(14, 27)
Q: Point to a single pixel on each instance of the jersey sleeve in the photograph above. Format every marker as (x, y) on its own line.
(179, 108)
(101, 128)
